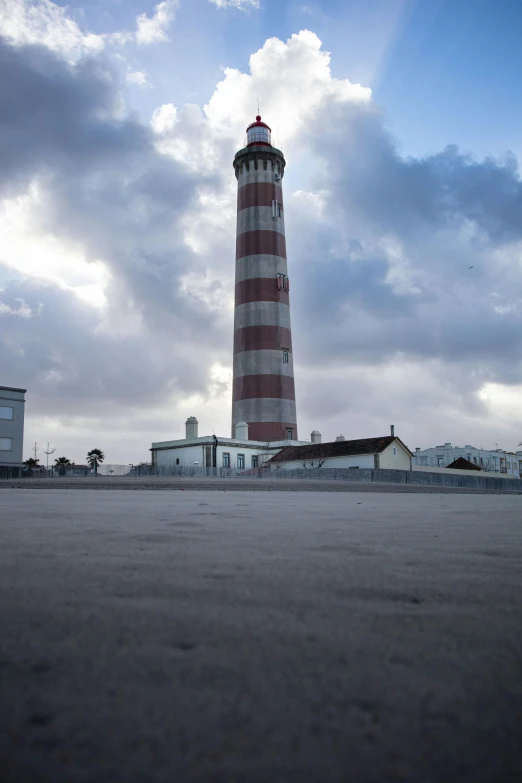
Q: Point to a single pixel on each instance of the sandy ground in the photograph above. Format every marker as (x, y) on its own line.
(236, 484)
(247, 636)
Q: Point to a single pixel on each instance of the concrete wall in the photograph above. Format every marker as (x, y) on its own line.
(442, 479)
(485, 473)
(12, 428)
(357, 461)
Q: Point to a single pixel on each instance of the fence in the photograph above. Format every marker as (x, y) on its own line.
(366, 475)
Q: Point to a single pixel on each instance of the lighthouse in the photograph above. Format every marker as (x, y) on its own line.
(263, 393)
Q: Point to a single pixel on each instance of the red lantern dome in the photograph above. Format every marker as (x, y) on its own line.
(259, 133)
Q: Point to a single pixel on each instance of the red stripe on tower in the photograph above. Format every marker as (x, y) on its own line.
(269, 243)
(265, 396)
(261, 194)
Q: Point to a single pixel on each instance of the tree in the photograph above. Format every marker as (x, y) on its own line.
(62, 463)
(95, 457)
(31, 463)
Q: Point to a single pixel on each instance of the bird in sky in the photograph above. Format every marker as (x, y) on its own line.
(471, 267)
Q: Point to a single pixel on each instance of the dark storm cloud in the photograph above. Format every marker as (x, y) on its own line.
(355, 300)
(53, 115)
(103, 181)
(102, 184)
(57, 346)
(367, 175)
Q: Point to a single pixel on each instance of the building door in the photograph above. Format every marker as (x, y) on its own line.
(208, 456)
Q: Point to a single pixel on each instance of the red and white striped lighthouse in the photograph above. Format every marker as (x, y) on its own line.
(263, 390)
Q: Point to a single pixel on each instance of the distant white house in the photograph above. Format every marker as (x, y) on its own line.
(505, 463)
(388, 452)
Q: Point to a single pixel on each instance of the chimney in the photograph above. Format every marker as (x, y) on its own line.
(191, 428)
(340, 437)
(447, 445)
(417, 448)
(315, 437)
(392, 430)
(242, 430)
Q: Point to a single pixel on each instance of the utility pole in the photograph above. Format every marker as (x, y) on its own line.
(35, 449)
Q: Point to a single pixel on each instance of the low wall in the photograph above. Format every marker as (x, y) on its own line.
(367, 475)
(444, 479)
(485, 473)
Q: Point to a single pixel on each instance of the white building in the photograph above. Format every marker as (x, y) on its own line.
(388, 452)
(491, 461)
(12, 409)
(210, 451)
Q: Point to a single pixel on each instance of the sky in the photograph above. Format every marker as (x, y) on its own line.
(401, 124)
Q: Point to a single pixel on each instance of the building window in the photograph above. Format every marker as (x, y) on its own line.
(290, 434)
(241, 460)
(177, 460)
(6, 444)
(394, 451)
(226, 460)
(5, 412)
(277, 209)
(285, 357)
(255, 461)
(440, 462)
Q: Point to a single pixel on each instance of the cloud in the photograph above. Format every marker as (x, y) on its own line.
(139, 78)
(47, 24)
(153, 29)
(134, 226)
(242, 5)
(94, 179)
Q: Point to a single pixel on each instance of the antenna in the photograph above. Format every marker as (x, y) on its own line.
(258, 110)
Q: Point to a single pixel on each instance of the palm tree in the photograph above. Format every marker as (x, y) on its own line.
(62, 463)
(31, 463)
(94, 458)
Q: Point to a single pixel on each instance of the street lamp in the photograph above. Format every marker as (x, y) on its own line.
(49, 451)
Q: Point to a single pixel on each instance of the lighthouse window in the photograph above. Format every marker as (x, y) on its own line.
(283, 283)
(285, 357)
(277, 209)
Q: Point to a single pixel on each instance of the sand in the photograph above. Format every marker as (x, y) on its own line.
(260, 636)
